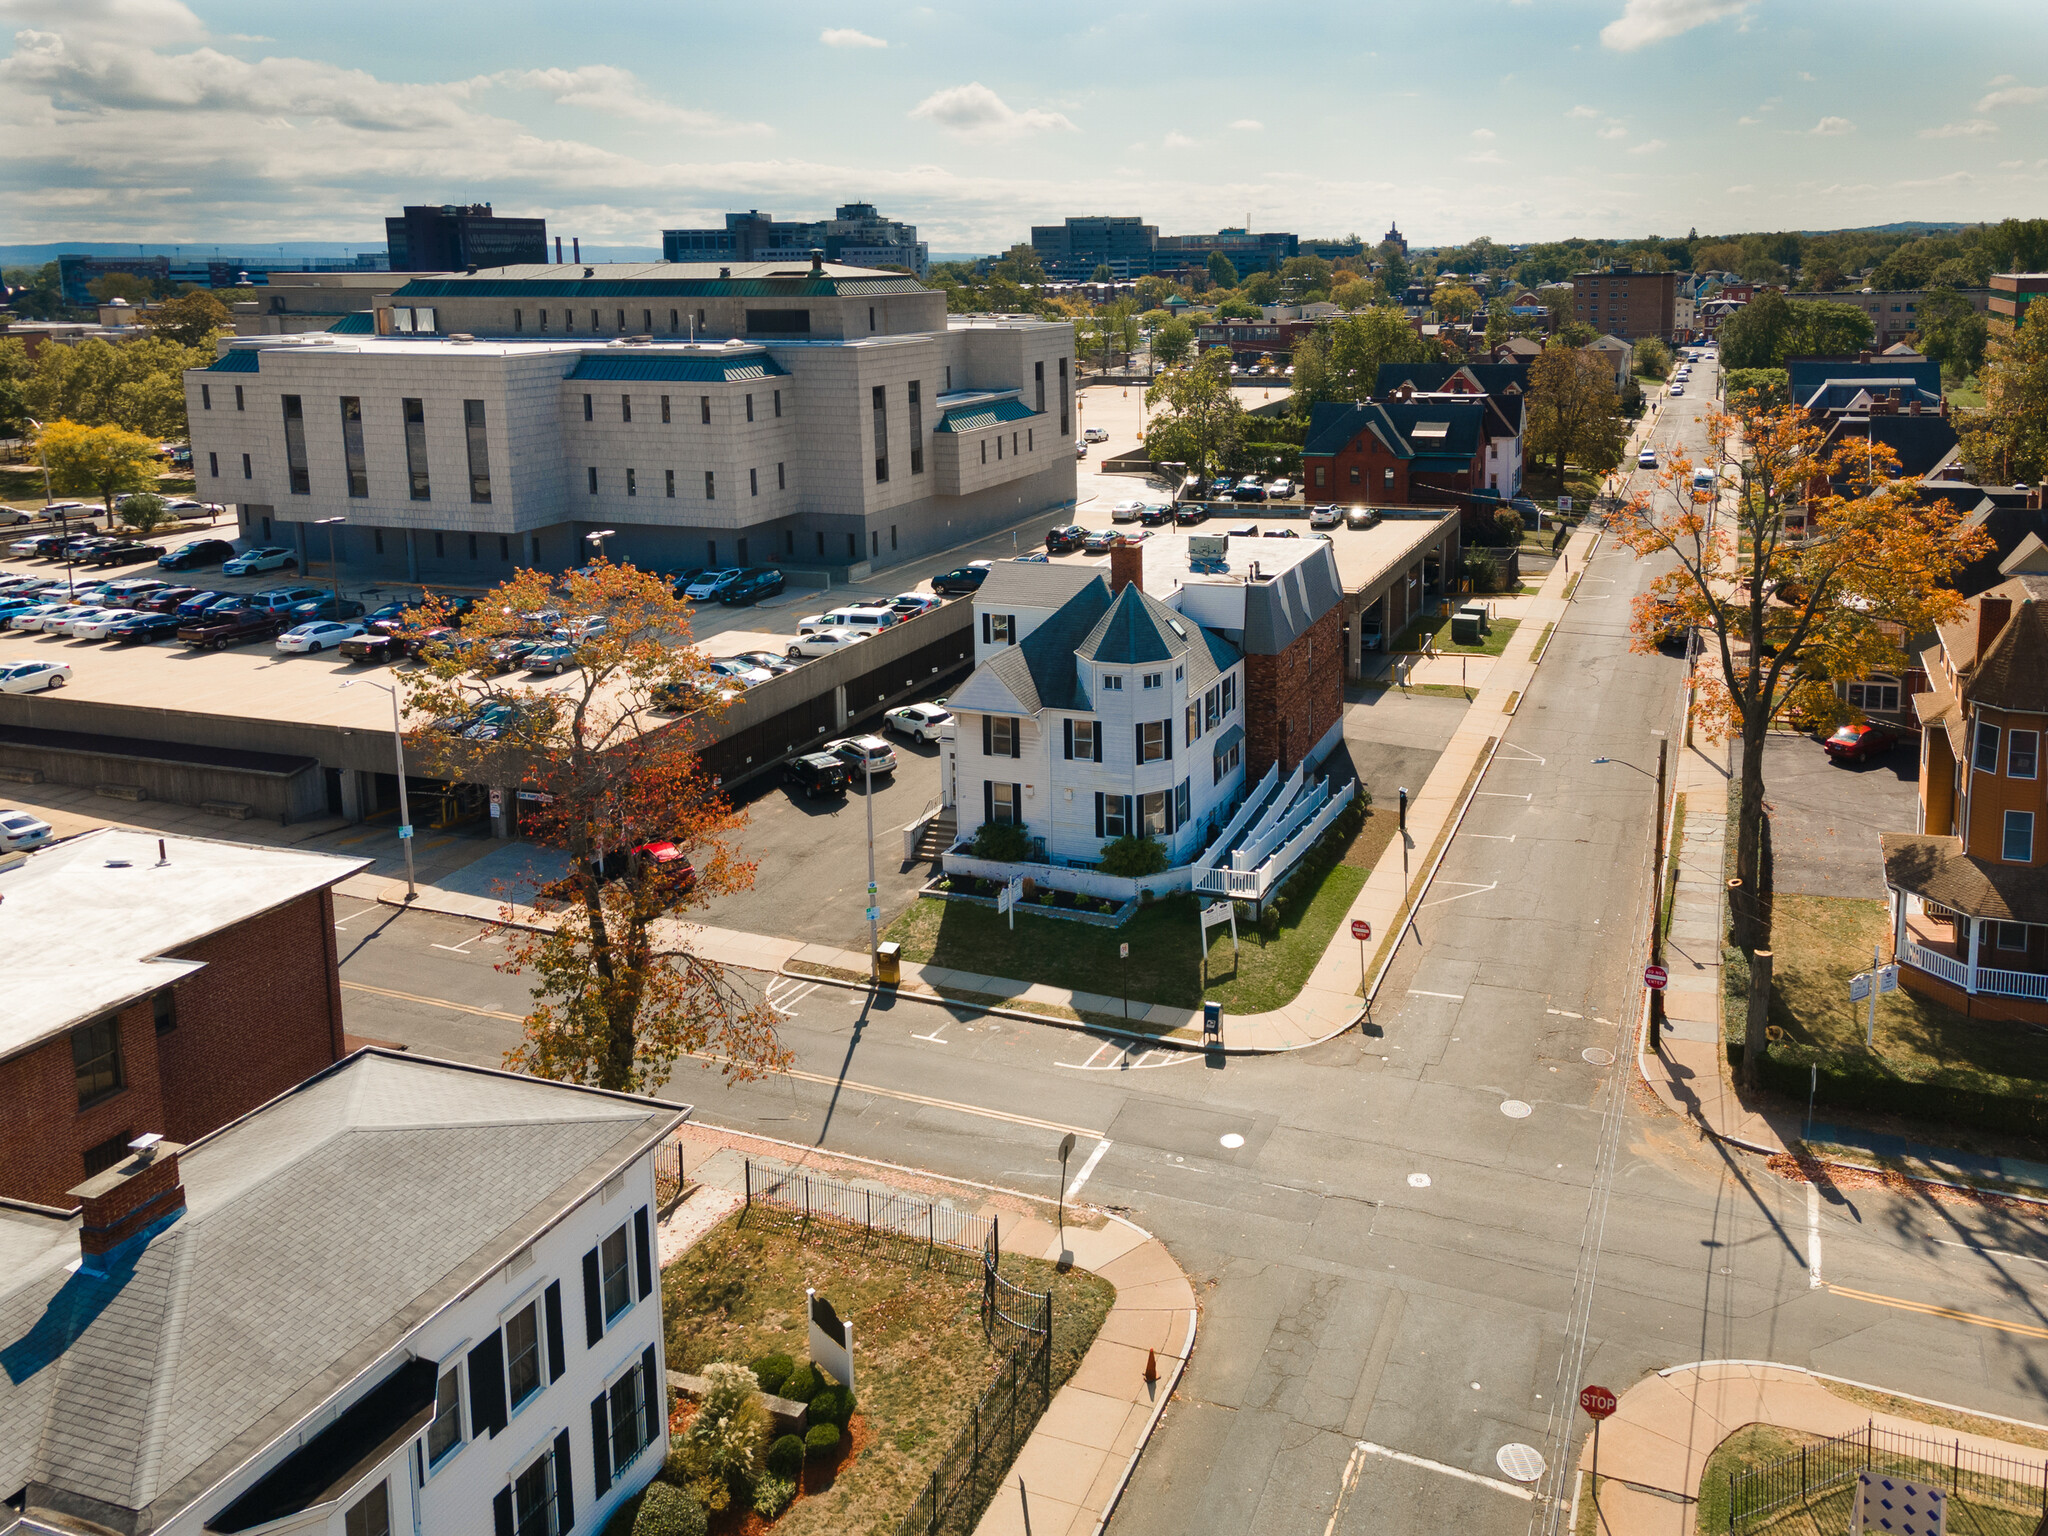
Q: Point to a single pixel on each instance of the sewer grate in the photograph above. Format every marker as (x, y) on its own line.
(1515, 1109)
(1597, 1056)
(1523, 1463)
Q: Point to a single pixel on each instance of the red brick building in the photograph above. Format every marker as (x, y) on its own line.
(1626, 303)
(1293, 696)
(1402, 451)
(169, 996)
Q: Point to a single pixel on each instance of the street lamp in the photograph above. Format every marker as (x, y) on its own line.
(598, 539)
(333, 569)
(404, 806)
(874, 951)
(42, 463)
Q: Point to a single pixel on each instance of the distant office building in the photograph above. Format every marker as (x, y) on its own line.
(855, 236)
(1895, 313)
(1075, 248)
(1247, 251)
(451, 238)
(2010, 294)
(1626, 303)
(1333, 250)
(76, 273)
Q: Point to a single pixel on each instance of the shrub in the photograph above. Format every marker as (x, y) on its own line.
(849, 1405)
(1133, 858)
(729, 1436)
(825, 1406)
(771, 1494)
(145, 512)
(821, 1442)
(666, 1510)
(1002, 842)
(786, 1456)
(802, 1384)
(771, 1371)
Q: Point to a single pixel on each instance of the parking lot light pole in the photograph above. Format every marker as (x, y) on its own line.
(333, 569)
(874, 939)
(404, 805)
(598, 539)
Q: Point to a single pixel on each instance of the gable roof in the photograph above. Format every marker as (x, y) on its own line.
(1428, 378)
(1856, 394)
(2012, 671)
(1804, 375)
(1032, 584)
(1921, 442)
(1039, 671)
(1437, 432)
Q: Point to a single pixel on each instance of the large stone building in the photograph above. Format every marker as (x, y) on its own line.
(452, 236)
(855, 236)
(823, 415)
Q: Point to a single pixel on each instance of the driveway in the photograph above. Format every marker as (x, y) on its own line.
(1395, 738)
(1825, 819)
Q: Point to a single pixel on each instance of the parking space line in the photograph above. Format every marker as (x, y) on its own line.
(1087, 1168)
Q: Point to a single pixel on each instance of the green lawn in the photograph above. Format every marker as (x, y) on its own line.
(1967, 393)
(1492, 643)
(1166, 951)
(1580, 483)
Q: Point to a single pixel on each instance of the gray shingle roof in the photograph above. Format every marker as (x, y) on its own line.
(1040, 671)
(1280, 609)
(1136, 629)
(1029, 584)
(319, 1233)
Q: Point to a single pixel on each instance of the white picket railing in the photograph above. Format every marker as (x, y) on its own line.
(1996, 983)
(1238, 884)
(2027, 984)
(1935, 963)
(1254, 884)
(1276, 808)
(1306, 804)
(1254, 798)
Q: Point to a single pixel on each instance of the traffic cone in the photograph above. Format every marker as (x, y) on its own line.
(1151, 1366)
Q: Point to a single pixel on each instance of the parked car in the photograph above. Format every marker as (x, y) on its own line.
(1080, 450)
(324, 607)
(768, 661)
(826, 642)
(19, 583)
(1860, 741)
(1094, 435)
(1677, 390)
(1127, 511)
(1704, 484)
(679, 581)
(268, 557)
(744, 673)
(133, 589)
(199, 601)
(863, 755)
(30, 619)
(218, 631)
(20, 831)
(281, 600)
(1280, 490)
(510, 653)
(911, 604)
(920, 722)
(1647, 459)
(1189, 513)
(967, 578)
(1101, 541)
(1248, 490)
(1243, 531)
(389, 617)
(752, 585)
(33, 676)
(1064, 539)
(97, 626)
(145, 626)
(710, 585)
(48, 513)
(853, 616)
(1324, 517)
(1360, 518)
(51, 618)
(1156, 517)
(552, 657)
(121, 552)
(816, 773)
(312, 638)
(371, 645)
(414, 645)
(1279, 533)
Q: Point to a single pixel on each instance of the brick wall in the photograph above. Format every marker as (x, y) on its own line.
(1292, 698)
(263, 1015)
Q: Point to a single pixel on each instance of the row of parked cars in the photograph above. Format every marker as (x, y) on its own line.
(80, 511)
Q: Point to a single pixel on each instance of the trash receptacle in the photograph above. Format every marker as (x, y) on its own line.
(1212, 1023)
(889, 963)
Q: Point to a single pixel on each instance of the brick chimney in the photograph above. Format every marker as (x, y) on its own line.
(1126, 567)
(1992, 612)
(137, 1192)
(1863, 357)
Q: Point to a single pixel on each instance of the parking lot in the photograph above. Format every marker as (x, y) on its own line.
(1826, 816)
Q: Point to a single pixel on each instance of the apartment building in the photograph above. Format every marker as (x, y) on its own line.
(1624, 302)
(855, 236)
(2008, 297)
(1894, 312)
(452, 236)
(815, 414)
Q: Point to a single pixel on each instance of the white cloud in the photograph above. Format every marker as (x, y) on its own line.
(1745, 187)
(1248, 124)
(1832, 127)
(1747, 122)
(617, 93)
(1482, 133)
(2014, 96)
(847, 37)
(1952, 179)
(1650, 147)
(1614, 131)
(1997, 80)
(1807, 76)
(1975, 128)
(1643, 22)
(1177, 141)
(1583, 112)
(973, 111)
(2012, 165)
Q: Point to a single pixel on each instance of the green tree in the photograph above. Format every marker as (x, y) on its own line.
(1359, 343)
(101, 461)
(1313, 381)
(1951, 332)
(1500, 325)
(1020, 265)
(190, 319)
(37, 292)
(144, 513)
(118, 285)
(1770, 328)
(1455, 301)
(1574, 413)
(1307, 271)
(2009, 441)
(1102, 273)
(1577, 333)
(1221, 273)
(1653, 358)
(1196, 419)
(1172, 343)
(1394, 269)
(1234, 308)
(1262, 288)
(134, 384)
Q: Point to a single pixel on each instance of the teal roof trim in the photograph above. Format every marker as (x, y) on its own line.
(682, 370)
(361, 323)
(973, 418)
(655, 287)
(243, 361)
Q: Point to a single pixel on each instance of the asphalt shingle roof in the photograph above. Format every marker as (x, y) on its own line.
(1135, 630)
(1039, 671)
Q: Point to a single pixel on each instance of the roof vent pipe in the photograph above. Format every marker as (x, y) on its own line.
(817, 263)
(576, 248)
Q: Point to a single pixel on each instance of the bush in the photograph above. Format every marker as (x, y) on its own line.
(802, 1384)
(849, 1405)
(772, 1494)
(786, 1456)
(771, 1371)
(666, 1510)
(1003, 842)
(145, 512)
(825, 1406)
(821, 1442)
(727, 1439)
(1133, 858)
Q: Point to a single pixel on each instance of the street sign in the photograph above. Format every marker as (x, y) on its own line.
(874, 914)
(405, 831)
(1597, 1401)
(1654, 977)
(1564, 503)
(1361, 930)
(1888, 978)
(1123, 951)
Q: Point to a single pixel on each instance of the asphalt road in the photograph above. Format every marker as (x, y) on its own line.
(1400, 1271)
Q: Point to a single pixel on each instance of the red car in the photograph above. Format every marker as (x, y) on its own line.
(1860, 743)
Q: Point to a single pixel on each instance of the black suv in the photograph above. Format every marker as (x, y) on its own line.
(1361, 517)
(751, 585)
(818, 773)
(968, 578)
(199, 552)
(1064, 540)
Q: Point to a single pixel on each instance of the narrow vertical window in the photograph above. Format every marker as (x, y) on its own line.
(591, 472)
(479, 452)
(625, 407)
(206, 397)
(664, 410)
(1038, 374)
(1064, 421)
(750, 407)
(589, 410)
(352, 445)
(778, 402)
(247, 472)
(543, 319)
(781, 483)
(881, 405)
(213, 464)
(753, 482)
(674, 322)
(238, 397)
(710, 486)
(647, 321)
(704, 409)
(415, 414)
(916, 428)
(671, 483)
(518, 320)
(295, 446)
(700, 320)
(632, 483)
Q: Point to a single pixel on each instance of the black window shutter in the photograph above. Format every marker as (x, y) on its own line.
(988, 801)
(501, 1511)
(487, 1387)
(1166, 725)
(1139, 731)
(1069, 733)
(1017, 802)
(988, 736)
(1010, 628)
(1130, 826)
(985, 629)
(643, 1259)
(558, 1358)
(1097, 737)
(1098, 814)
(593, 1300)
(1016, 738)
(565, 1486)
(600, 1446)
(650, 1389)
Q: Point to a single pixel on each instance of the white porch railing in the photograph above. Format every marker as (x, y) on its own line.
(1935, 963)
(1990, 981)
(1254, 852)
(1254, 884)
(1254, 798)
(1238, 884)
(2027, 984)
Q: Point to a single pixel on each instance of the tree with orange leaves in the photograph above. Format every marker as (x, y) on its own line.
(605, 757)
(1785, 612)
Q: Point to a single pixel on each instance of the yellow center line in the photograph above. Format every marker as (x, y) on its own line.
(434, 1002)
(1928, 1309)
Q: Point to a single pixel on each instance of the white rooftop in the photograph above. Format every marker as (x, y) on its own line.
(84, 923)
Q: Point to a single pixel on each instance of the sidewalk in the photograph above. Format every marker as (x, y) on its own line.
(1074, 1466)
(1654, 1448)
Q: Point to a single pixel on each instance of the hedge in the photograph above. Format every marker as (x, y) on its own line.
(1851, 1087)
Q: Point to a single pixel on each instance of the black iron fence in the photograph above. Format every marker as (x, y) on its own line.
(668, 1171)
(948, 1235)
(1996, 1485)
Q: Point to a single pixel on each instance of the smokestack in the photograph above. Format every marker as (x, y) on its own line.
(135, 1194)
(576, 245)
(558, 250)
(1126, 567)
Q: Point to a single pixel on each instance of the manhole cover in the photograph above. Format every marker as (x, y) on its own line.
(1597, 1056)
(1233, 1141)
(1515, 1109)
(1524, 1463)
(1418, 1181)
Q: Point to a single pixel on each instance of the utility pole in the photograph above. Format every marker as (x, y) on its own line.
(1657, 902)
(874, 952)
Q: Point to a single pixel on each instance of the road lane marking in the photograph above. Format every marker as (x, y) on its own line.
(1526, 757)
(1562, 1014)
(1499, 794)
(1087, 1168)
(1456, 997)
(935, 1037)
(434, 1002)
(911, 1098)
(1813, 1237)
(1927, 1309)
(1345, 1485)
(1994, 1252)
(1494, 837)
(1526, 1495)
(1475, 891)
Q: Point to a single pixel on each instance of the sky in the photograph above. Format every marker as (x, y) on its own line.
(240, 121)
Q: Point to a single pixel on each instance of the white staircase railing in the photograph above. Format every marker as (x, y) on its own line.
(1254, 801)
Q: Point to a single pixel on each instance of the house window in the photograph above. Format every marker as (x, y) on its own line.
(1874, 696)
(2019, 838)
(1003, 805)
(295, 446)
(1183, 801)
(1387, 481)
(533, 1498)
(1115, 814)
(445, 1433)
(1194, 720)
(1003, 740)
(916, 429)
(1155, 815)
(616, 1274)
(1086, 741)
(999, 628)
(671, 474)
(625, 407)
(522, 1353)
(1355, 477)
(704, 409)
(479, 452)
(2012, 936)
(1230, 693)
(1113, 681)
(1986, 758)
(1225, 763)
(664, 410)
(880, 397)
(415, 414)
(96, 1059)
(1322, 475)
(2021, 753)
(628, 1428)
(371, 1515)
(1152, 741)
(1212, 705)
(352, 446)
(1153, 679)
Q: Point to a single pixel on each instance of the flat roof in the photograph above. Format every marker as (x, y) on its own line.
(85, 922)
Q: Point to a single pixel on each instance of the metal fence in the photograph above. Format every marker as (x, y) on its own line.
(668, 1171)
(948, 1235)
(1994, 1483)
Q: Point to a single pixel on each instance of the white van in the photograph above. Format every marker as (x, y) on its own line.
(1704, 485)
(867, 620)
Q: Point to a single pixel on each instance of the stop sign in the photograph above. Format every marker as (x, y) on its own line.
(1654, 977)
(1360, 929)
(1597, 1401)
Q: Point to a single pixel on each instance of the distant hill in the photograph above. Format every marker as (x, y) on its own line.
(1900, 227)
(36, 255)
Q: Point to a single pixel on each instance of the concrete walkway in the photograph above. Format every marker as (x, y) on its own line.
(1654, 1448)
(1074, 1466)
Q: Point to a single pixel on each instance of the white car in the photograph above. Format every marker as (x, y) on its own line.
(53, 620)
(1280, 490)
(1324, 517)
(1647, 459)
(20, 831)
(826, 642)
(1127, 512)
(1080, 450)
(311, 639)
(920, 722)
(911, 604)
(29, 620)
(1094, 435)
(746, 674)
(33, 676)
(1677, 390)
(17, 583)
(49, 512)
(99, 625)
(272, 557)
(863, 755)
